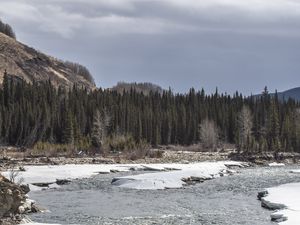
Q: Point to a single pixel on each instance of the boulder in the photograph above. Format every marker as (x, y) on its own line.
(262, 194)
(272, 206)
(11, 197)
(14, 202)
(278, 217)
(62, 181)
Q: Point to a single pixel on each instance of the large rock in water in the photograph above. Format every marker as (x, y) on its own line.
(12, 197)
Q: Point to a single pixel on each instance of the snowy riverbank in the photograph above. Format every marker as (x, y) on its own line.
(286, 200)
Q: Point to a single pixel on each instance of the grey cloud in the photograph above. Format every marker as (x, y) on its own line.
(231, 44)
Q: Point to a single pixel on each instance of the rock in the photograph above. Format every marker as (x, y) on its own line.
(25, 188)
(62, 181)
(231, 172)
(271, 206)
(21, 210)
(30, 206)
(22, 168)
(35, 209)
(45, 185)
(153, 168)
(278, 217)
(194, 180)
(11, 197)
(104, 172)
(262, 194)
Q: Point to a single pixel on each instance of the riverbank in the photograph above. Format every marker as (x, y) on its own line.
(17, 157)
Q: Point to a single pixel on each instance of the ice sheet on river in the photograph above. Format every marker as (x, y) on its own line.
(40, 224)
(176, 179)
(287, 195)
(295, 171)
(50, 174)
(158, 180)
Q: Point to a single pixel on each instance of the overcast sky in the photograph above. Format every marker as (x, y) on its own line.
(230, 44)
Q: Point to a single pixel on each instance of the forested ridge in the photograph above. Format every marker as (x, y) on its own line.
(7, 29)
(40, 112)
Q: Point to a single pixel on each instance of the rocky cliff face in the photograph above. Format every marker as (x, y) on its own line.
(30, 65)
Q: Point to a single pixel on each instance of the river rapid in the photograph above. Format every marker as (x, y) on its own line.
(224, 201)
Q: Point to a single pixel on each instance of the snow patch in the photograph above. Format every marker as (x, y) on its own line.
(275, 164)
(28, 221)
(50, 174)
(32, 223)
(286, 199)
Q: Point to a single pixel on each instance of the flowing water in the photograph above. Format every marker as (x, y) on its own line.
(223, 201)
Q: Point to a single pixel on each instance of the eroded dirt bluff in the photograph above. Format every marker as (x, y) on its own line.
(29, 64)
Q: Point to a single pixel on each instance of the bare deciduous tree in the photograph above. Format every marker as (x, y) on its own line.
(209, 134)
(245, 126)
(100, 124)
(14, 176)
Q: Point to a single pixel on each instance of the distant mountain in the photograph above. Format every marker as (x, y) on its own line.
(293, 93)
(31, 65)
(146, 88)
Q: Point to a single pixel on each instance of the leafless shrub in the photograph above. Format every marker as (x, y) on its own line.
(155, 154)
(245, 127)
(209, 134)
(14, 176)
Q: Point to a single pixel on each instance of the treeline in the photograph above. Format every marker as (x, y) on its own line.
(80, 70)
(146, 88)
(7, 29)
(39, 112)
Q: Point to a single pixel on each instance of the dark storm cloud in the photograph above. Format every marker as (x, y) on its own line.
(231, 44)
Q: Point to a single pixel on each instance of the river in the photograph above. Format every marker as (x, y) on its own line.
(223, 201)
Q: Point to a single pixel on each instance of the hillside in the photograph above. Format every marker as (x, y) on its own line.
(31, 65)
(291, 93)
(146, 88)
